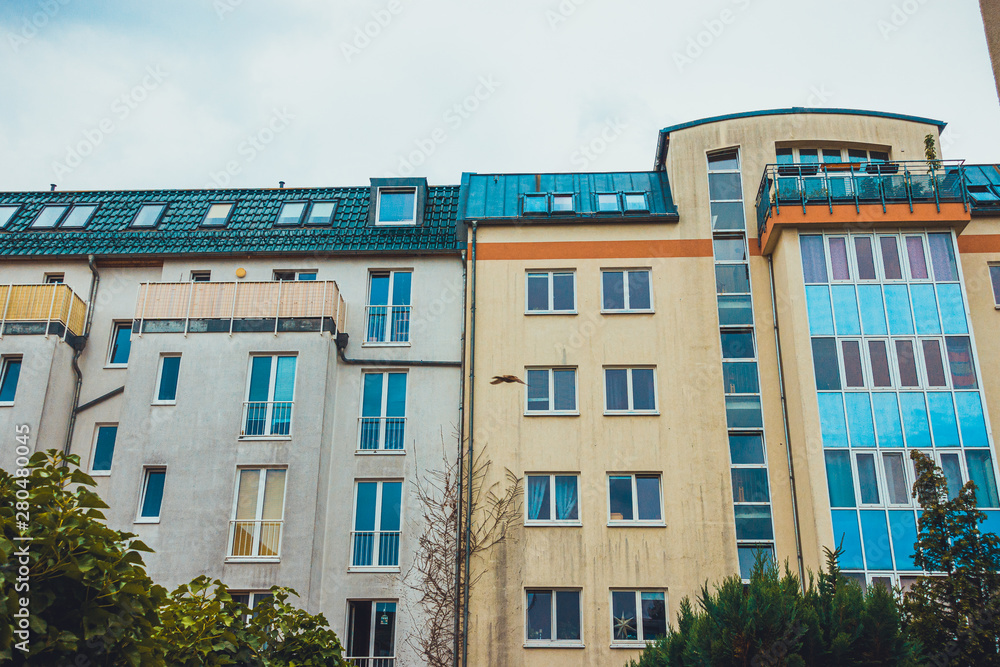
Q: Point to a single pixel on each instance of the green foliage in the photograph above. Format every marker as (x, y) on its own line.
(770, 621)
(957, 615)
(930, 152)
(92, 603)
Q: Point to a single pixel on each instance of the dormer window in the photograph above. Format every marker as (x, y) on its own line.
(608, 203)
(562, 203)
(536, 204)
(396, 206)
(148, 216)
(218, 215)
(7, 213)
(291, 213)
(636, 201)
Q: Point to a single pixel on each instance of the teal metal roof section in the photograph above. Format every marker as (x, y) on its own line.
(661, 144)
(250, 227)
(982, 181)
(502, 196)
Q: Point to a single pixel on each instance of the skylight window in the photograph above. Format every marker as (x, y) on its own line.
(562, 203)
(636, 202)
(321, 213)
(397, 206)
(78, 216)
(536, 204)
(608, 202)
(217, 215)
(291, 213)
(148, 215)
(48, 217)
(6, 213)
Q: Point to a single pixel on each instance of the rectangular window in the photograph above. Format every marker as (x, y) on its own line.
(388, 307)
(551, 391)
(995, 280)
(371, 633)
(321, 213)
(895, 478)
(933, 364)
(552, 498)
(166, 380)
(891, 266)
(55, 278)
(152, 495)
(629, 390)
(78, 217)
(10, 371)
(383, 412)
(104, 448)
(250, 599)
(377, 513)
(536, 203)
(396, 206)
(201, 276)
(295, 275)
(634, 499)
(626, 291)
(291, 213)
(7, 214)
(608, 203)
(267, 410)
(737, 344)
(638, 616)
(636, 201)
(813, 259)
(258, 513)
(49, 217)
(148, 216)
(552, 616)
(551, 292)
(562, 203)
(121, 344)
(217, 215)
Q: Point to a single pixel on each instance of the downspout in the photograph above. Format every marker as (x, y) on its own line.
(784, 418)
(472, 418)
(342, 340)
(78, 350)
(461, 442)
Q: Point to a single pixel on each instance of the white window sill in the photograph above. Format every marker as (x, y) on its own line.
(554, 645)
(636, 524)
(628, 312)
(552, 414)
(636, 645)
(113, 366)
(164, 403)
(7, 404)
(553, 524)
(380, 452)
(373, 569)
(550, 312)
(634, 413)
(244, 559)
(147, 520)
(103, 473)
(264, 438)
(389, 344)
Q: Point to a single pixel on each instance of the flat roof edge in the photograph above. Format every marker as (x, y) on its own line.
(797, 110)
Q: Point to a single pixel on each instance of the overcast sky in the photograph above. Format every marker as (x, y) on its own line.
(105, 94)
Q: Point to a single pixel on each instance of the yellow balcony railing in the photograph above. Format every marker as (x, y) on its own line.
(42, 304)
(227, 303)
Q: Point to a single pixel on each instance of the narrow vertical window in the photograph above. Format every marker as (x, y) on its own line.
(995, 280)
(267, 410)
(255, 530)
(10, 372)
(916, 258)
(838, 258)
(121, 344)
(104, 448)
(388, 308)
(890, 258)
(152, 495)
(166, 385)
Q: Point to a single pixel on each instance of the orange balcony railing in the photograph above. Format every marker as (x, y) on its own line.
(44, 305)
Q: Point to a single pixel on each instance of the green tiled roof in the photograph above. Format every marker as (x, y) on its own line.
(250, 227)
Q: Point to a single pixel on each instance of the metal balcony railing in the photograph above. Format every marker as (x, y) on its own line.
(387, 324)
(381, 433)
(263, 418)
(43, 304)
(375, 549)
(210, 306)
(857, 183)
(254, 539)
(362, 661)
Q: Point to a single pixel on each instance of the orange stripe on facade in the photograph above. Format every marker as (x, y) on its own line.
(979, 243)
(597, 249)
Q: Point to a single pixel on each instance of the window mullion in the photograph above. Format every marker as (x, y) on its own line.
(371, 635)
(384, 422)
(635, 498)
(552, 497)
(259, 513)
(378, 524)
(625, 291)
(551, 278)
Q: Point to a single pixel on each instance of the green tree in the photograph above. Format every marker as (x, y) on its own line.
(957, 615)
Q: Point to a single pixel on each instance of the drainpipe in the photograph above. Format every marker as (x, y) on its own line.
(784, 417)
(78, 348)
(472, 418)
(342, 340)
(461, 441)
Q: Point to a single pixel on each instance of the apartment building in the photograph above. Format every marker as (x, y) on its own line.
(729, 355)
(257, 379)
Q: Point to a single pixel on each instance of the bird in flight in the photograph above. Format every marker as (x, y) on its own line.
(500, 379)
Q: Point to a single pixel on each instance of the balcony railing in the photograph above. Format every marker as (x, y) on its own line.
(857, 183)
(362, 661)
(387, 324)
(264, 418)
(49, 308)
(375, 549)
(381, 433)
(254, 539)
(279, 305)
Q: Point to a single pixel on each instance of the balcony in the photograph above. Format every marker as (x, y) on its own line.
(387, 324)
(860, 194)
(42, 309)
(267, 418)
(375, 549)
(273, 306)
(365, 661)
(255, 539)
(381, 434)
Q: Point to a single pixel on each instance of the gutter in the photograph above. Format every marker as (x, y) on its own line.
(342, 340)
(461, 445)
(784, 418)
(78, 350)
(472, 417)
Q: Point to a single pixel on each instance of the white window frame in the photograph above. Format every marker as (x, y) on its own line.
(54, 278)
(371, 660)
(159, 379)
(258, 512)
(383, 423)
(376, 543)
(93, 451)
(625, 291)
(552, 412)
(296, 272)
(5, 362)
(551, 477)
(146, 471)
(269, 411)
(408, 309)
(990, 269)
(640, 642)
(553, 643)
(115, 326)
(396, 190)
(549, 274)
(206, 273)
(635, 500)
(630, 391)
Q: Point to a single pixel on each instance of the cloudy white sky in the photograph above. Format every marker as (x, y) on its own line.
(108, 94)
